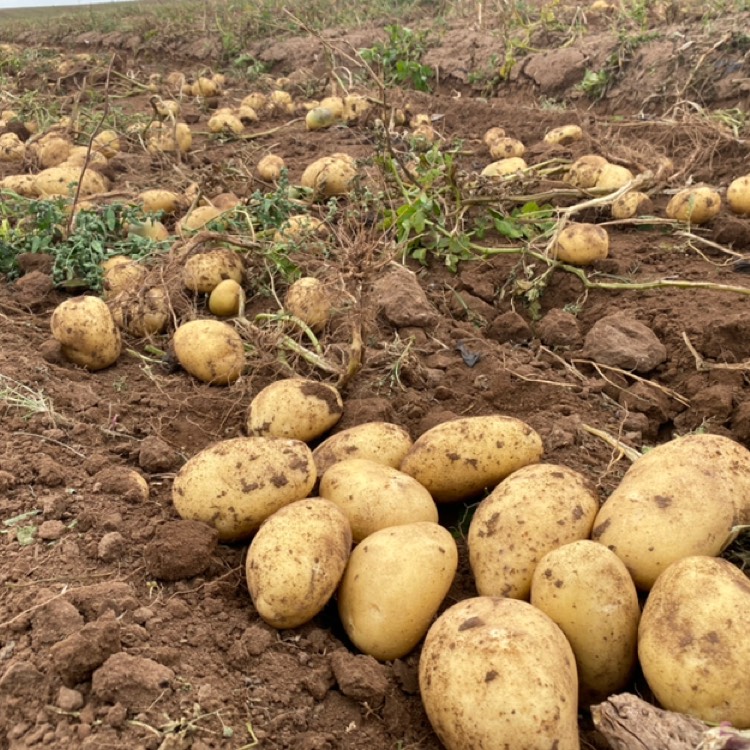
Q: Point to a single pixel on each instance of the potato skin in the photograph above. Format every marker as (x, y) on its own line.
(693, 640)
(393, 585)
(296, 560)
(203, 272)
(498, 673)
(457, 459)
(234, 485)
(582, 244)
(696, 205)
(374, 496)
(209, 350)
(535, 510)
(587, 590)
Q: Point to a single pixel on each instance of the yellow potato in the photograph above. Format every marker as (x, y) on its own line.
(206, 87)
(269, 167)
(632, 204)
(693, 641)
(319, 118)
(335, 104)
(738, 195)
(121, 274)
(458, 459)
(535, 510)
(588, 592)
(209, 350)
(584, 172)
(498, 673)
(492, 135)
(581, 244)
(12, 148)
(299, 227)
(168, 137)
(52, 151)
(504, 167)
(695, 205)
(80, 155)
(107, 143)
(203, 272)
(198, 218)
(149, 228)
(143, 314)
(612, 177)
(87, 333)
(374, 496)
(506, 148)
(234, 485)
(309, 300)
(62, 180)
(564, 135)
(296, 560)
(354, 107)
(225, 122)
(329, 176)
(247, 115)
(294, 408)
(393, 586)
(226, 298)
(21, 184)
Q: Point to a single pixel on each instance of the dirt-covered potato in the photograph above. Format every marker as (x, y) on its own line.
(198, 218)
(87, 332)
(256, 100)
(585, 588)
(504, 167)
(458, 459)
(151, 229)
(335, 104)
(693, 642)
(157, 200)
(383, 442)
(632, 204)
(536, 509)
(22, 184)
(695, 205)
(612, 177)
(225, 122)
(493, 134)
(203, 272)
(52, 151)
(329, 176)
(80, 155)
(234, 485)
(62, 180)
(168, 137)
(299, 227)
(581, 244)
(393, 585)
(209, 350)
(563, 135)
(296, 560)
(269, 168)
(320, 118)
(738, 195)
(206, 87)
(281, 101)
(374, 496)
(499, 673)
(506, 148)
(354, 107)
(143, 314)
(12, 148)
(107, 143)
(226, 298)
(309, 300)
(121, 274)
(294, 408)
(584, 172)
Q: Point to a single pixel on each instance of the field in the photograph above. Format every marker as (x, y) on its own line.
(448, 300)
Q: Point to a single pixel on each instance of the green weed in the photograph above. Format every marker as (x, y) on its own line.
(398, 59)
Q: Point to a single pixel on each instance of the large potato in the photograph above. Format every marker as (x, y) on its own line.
(210, 350)
(393, 585)
(143, 314)
(383, 442)
(587, 590)
(63, 180)
(296, 560)
(676, 501)
(693, 640)
(87, 332)
(584, 172)
(738, 195)
(581, 244)
(236, 484)
(294, 408)
(374, 496)
(310, 301)
(695, 205)
(458, 459)
(203, 272)
(121, 274)
(535, 510)
(498, 673)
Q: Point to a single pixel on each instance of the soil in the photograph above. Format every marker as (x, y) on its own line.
(122, 627)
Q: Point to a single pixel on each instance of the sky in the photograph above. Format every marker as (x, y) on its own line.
(45, 3)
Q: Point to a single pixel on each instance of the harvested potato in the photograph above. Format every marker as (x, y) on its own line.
(329, 176)
(225, 201)
(695, 205)
(143, 314)
(319, 118)
(12, 148)
(536, 509)
(309, 300)
(354, 107)
(585, 588)
(167, 137)
(296, 560)
(225, 122)
(299, 227)
(581, 244)
(53, 151)
(22, 184)
(504, 167)
(234, 485)
(294, 408)
(206, 87)
(151, 229)
(458, 459)
(693, 640)
(584, 172)
(492, 135)
(632, 204)
(423, 136)
(379, 441)
(393, 585)
(281, 101)
(203, 272)
(227, 298)
(612, 177)
(257, 101)
(247, 115)
(164, 201)
(87, 332)
(335, 104)
(269, 167)
(121, 274)
(107, 143)
(498, 673)
(198, 218)
(374, 496)
(62, 180)
(564, 135)
(506, 148)
(738, 195)
(80, 155)
(209, 350)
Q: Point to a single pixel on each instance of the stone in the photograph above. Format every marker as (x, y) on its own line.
(621, 341)
(556, 70)
(69, 699)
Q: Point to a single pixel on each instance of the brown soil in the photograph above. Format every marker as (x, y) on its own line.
(109, 579)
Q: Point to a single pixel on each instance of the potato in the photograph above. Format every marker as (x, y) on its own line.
(374, 496)
(504, 167)
(588, 592)
(234, 485)
(80, 155)
(121, 274)
(86, 331)
(62, 180)
(693, 640)
(294, 408)
(296, 560)
(393, 585)
(206, 87)
(563, 135)
(257, 101)
(536, 509)
(379, 441)
(738, 195)
(299, 227)
(21, 184)
(198, 218)
(210, 350)
(319, 118)
(492, 135)
(143, 314)
(584, 172)
(498, 673)
(53, 151)
(226, 201)
(506, 148)
(335, 104)
(423, 136)
(203, 272)
(581, 244)
(458, 459)
(329, 176)
(695, 205)
(678, 500)
(309, 300)
(168, 137)
(246, 115)
(226, 299)
(612, 177)
(269, 167)
(12, 148)
(354, 107)
(225, 122)
(151, 229)
(281, 101)
(632, 204)
(107, 143)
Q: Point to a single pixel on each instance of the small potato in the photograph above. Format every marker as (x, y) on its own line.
(149, 228)
(299, 227)
(53, 151)
(165, 201)
(564, 135)
(504, 167)
(209, 350)
(506, 148)
(329, 176)
(87, 332)
(247, 115)
(107, 143)
(581, 244)
(234, 485)
(12, 148)
(492, 135)
(354, 107)
(225, 122)
(458, 459)
(632, 204)
(257, 101)
(612, 177)
(393, 585)
(379, 441)
(695, 205)
(226, 299)
(584, 172)
(423, 136)
(206, 87)
(588, 592)
(693, 640)
(319, 118)
(121, 274)
(80, 155)
(294, 408)
(535, 510)
(335, 104)
(374, 496)
(296, 560)
(738, 195)
(21, 184)
(309, 300)
(203, 272)
(143, 314)
(167, 137)
(281, 101)
(198, 218)
(269, 168)
(498, 673)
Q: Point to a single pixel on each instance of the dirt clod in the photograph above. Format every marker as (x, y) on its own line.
(180, 549)
(132, 681)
